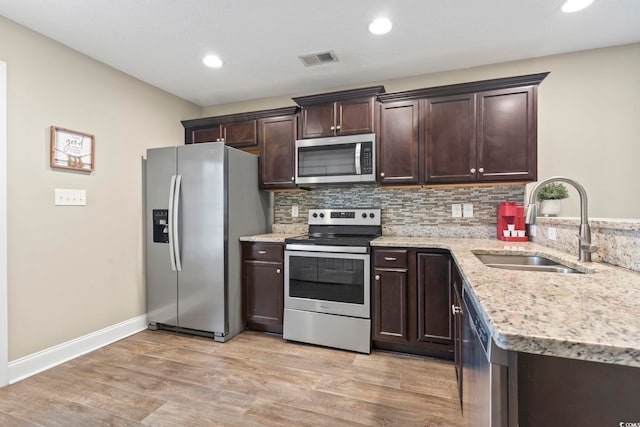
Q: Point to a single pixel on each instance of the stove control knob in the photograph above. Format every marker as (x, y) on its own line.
(315, 215)
(321, 215)
(364, 215)
(372, 215)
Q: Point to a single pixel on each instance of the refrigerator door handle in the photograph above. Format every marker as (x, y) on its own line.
(172, 255)
(176, 221)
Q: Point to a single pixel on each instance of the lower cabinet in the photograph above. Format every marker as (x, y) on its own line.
(412, 301)
(456, 310)
(263, 285)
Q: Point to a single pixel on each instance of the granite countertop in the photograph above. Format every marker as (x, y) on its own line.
(593, 316)
(268, 238)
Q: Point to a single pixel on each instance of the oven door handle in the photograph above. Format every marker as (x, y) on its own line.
(323, 248)
(358, 151)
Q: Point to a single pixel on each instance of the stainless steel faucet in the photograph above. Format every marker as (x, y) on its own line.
(584, 245)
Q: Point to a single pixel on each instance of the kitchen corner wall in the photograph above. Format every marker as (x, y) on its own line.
(75, 270)
(405, 211)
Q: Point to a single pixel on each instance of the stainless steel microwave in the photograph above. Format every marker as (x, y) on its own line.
(350, 158)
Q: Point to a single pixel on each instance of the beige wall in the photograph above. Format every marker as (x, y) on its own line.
(75, 270)
(588, 120)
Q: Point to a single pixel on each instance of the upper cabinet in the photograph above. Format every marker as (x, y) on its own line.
(471, 132)
(347, 112)
(240, 134)
(399, 144)
(271, 134)
(450, 138)
(277, 137)
(506, 142)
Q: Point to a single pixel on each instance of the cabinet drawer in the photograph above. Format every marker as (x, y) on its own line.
(263, 251)
(390, 258)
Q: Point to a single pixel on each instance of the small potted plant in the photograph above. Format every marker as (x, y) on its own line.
(549, 197)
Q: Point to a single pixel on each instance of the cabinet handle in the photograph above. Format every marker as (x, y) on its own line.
(390, 258)
(473, 170)
(333, 128)
(377, 277)
(293, 178)
(278, 270)
(338, 127)
(262, 252)
(456, 309)
(481, 170)
(382, 174)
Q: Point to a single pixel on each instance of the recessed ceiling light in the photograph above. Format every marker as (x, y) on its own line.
(212, 61)
(380, 26)
(575, 5)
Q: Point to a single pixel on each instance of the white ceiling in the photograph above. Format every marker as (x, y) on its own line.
(162, 42)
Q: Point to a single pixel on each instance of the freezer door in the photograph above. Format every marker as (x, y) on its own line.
(201, 235)
(161, 278)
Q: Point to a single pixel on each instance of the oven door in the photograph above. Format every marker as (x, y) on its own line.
(332, 283)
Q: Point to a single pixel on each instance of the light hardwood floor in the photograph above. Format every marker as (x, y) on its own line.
(161, 378)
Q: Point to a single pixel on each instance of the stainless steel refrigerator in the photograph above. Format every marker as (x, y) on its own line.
(200, 199)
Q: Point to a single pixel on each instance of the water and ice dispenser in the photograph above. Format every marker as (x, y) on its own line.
(161, 225)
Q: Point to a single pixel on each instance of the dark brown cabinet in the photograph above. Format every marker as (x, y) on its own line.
(487, 136)
(507, 135)
(277, 137)
(242, 135)
(338, 118)
(456, 311)
(390, 296)
(450, 154)
(412, 301)
(271, 134)
(471, 132)
(349, 112)
(263, 285)
(399, 145)
(435, 321)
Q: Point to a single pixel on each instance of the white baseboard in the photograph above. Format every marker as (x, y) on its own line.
(32, 364)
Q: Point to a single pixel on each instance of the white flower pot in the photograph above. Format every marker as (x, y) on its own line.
(550, 207)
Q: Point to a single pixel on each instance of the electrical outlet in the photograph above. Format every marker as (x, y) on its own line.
(294, 211)
(533, 229)
(551, 233)
(467, 210)
(67, 197)
(456, 210)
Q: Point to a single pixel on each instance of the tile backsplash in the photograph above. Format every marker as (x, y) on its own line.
(405, 211)
(618, 240)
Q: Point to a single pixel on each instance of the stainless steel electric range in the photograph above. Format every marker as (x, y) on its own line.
(327, 279)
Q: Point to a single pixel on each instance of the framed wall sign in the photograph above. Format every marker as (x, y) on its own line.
(71, 149)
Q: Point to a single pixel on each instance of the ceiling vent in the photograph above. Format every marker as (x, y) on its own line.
(319, 58)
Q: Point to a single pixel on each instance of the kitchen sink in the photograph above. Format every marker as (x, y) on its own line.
(525, 263)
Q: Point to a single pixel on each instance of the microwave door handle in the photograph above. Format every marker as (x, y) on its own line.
(358, 149)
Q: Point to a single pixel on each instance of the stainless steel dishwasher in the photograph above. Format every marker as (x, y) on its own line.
(485, 367)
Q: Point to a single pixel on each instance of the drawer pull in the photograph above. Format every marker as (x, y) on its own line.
(262, 252)
(278, 270)
(390, 258)
(377, 277)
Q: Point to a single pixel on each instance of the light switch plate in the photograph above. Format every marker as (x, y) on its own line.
(294, 211)
(456, 210)
(551, 233)
(533, 229)
(68, 197)
(467, 210)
